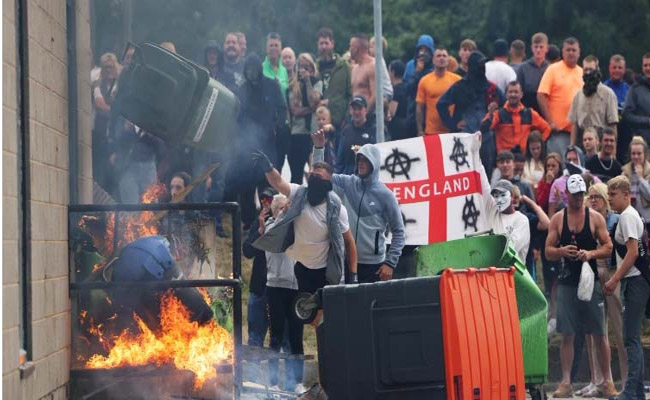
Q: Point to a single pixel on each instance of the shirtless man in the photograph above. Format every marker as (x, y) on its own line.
(363, 70)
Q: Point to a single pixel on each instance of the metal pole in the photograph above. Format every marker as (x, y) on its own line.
(73, 101)
(379, 59)
(128, 20)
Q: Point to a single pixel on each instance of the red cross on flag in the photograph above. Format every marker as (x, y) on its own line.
(437, 185)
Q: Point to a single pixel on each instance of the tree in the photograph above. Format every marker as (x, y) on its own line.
(604, 27)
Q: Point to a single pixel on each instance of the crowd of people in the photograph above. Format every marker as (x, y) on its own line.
(564, 163)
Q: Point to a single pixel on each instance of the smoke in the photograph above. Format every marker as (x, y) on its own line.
(153, 383)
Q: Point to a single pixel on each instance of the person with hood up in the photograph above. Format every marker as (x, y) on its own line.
(472, 97)
(416, 69)
(372, 210)
(213, 60)
(421, 61)
(262, 110)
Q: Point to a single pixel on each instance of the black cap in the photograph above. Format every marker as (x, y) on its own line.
(500, 48)
(359, 101)
(269, 192)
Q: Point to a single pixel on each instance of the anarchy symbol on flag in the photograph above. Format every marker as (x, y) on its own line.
(438, 193)
(401, 160)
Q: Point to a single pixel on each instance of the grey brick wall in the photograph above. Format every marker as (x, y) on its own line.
(48, 128)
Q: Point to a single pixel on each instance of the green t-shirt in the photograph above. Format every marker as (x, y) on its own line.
(281, 75)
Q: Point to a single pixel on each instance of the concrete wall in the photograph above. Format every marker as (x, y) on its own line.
(48, 163)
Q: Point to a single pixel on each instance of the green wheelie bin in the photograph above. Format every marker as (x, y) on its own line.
(494, 251)
(175, 99)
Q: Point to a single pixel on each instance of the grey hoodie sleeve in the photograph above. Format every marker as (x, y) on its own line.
(396, 225)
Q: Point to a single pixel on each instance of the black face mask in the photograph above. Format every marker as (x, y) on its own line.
(317, 189)
(592, 79)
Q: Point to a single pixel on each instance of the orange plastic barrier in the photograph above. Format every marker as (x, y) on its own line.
(481, 335)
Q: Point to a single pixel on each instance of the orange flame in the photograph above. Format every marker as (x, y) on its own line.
(206, 296)
(181, 342)
(144, 223)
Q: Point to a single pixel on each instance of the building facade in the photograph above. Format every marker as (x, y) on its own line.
(46, 156)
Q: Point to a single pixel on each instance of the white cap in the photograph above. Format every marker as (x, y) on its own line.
(575, 184)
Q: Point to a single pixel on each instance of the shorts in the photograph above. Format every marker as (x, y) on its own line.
(580, 317)
(309, 280)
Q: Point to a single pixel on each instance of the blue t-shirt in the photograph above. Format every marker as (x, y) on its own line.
(620, 89)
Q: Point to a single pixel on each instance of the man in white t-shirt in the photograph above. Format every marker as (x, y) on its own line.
(635, 289)
(309, 232)
(501, 214)
(498, 71)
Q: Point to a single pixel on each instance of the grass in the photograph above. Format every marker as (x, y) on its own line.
(224, 257)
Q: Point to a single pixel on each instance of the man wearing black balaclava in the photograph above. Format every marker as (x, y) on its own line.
(595, 105)
(314, 231)
(472, 97)
(262, 110)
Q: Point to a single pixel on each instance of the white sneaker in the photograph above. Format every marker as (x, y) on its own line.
(300, 389)
(550, 327)
(274, 388)
(587, 389)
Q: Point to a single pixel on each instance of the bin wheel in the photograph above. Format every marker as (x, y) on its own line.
(305, 307)
(537, 393)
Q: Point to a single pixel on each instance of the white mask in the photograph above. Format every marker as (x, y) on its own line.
(503, 200)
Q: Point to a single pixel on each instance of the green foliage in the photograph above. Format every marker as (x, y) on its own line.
(604, 27)
(222, 308)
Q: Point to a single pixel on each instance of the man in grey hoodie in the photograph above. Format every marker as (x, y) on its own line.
(372, 208)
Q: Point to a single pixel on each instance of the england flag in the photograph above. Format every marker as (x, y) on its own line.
(437, 184)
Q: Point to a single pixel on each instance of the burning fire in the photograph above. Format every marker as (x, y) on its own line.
(144, 223)
(181, 342)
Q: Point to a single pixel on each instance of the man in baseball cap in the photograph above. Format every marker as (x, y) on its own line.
(359, 101)
(576, 235)
(501, 215)
(360, 131)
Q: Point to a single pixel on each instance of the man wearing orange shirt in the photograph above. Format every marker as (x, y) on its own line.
(513, 122)
(430, 89)
(561, 81)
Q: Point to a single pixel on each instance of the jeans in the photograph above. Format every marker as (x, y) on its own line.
(406, 266)
(258, 321)
(299, 150)
(284, 324)
(635, 292)
(558, 143)
(488, 152)
(367, 273)
(135, 180)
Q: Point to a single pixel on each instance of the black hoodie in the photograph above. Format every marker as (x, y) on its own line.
(470, 96)
(262, 106)
(217, 71)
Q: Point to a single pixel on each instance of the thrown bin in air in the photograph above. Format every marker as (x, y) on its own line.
(494, 251)
(174, 99)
